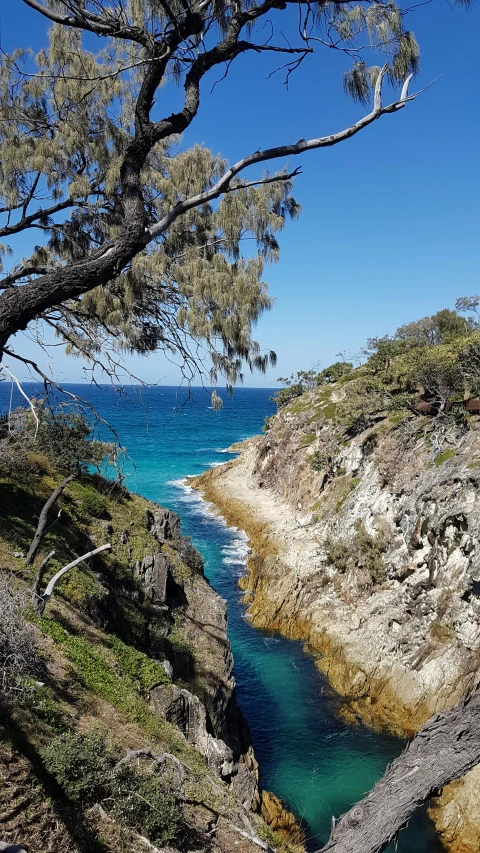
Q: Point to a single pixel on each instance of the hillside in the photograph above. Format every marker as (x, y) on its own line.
(364, 519)
(120, 729)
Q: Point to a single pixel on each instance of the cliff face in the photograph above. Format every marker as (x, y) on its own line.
(367, 547)
(137, 646)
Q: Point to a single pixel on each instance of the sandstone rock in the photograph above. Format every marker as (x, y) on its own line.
(401, 650)
(279, 818)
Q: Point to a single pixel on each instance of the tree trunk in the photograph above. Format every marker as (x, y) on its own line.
(445, 749)
(42, 521)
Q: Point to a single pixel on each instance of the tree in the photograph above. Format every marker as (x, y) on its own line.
(140, 240)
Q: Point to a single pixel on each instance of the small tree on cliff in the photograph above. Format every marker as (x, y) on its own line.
(135, 244)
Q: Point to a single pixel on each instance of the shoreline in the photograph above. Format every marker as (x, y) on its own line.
(279, 592)
(282, 592)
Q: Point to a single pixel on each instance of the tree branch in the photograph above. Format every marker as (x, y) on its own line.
(26, 221)
(445, 749)
(92, 23)
(43, 600)
(294, 150)
(10, 279)
(43, 518)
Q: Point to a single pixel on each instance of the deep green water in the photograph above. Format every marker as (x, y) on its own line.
(308, 756)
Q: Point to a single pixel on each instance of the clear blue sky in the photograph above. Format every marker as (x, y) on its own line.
(389, 229)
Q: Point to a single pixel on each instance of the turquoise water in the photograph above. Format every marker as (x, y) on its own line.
(308, 756)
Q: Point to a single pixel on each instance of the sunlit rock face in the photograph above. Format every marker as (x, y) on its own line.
(374, 559)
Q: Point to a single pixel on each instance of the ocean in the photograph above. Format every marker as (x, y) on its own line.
(312, 759)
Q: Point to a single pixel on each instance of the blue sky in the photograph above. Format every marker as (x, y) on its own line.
(390, 219)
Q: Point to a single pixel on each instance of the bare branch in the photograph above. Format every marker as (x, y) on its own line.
(223, 185)
(43, 518)
(377, 98)
(17, 382)
(36, 597)
(45, 598)
(160, 761)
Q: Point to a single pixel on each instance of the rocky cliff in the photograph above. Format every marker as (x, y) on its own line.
(134, 646)
(365, 544)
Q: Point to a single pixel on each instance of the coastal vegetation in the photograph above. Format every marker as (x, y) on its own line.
(100, 766)
(119, 725)
(136, 241)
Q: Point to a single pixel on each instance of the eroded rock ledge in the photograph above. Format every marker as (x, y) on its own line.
(399, 647)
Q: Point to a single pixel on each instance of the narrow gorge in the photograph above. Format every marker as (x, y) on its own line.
(365, 546)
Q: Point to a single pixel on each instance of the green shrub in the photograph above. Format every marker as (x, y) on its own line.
(318, 461)
(142, 670)
(361, 551)
(360, 407)
(286, 395)
(337, 555)
(84, 766)
(95, 504)
(42, 703)
(444, 456)
(335, 372)
(140, 803)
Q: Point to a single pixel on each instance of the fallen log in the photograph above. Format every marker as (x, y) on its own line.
(445, 749)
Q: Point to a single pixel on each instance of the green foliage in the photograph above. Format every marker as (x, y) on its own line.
(308, 439)
(360, 406)
(42, 702)
(82, 765)
(140, 669)
(318, 460)
(65, 439)
(267, 423)
(437, 356)
(334, 372)
(99, 675)
(92, 502)
(444, 456)
(85, 767)
(62, 441)
(286, 395)
(361, 551)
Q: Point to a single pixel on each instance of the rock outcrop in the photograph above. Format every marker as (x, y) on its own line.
(367, 548)
(187, 608)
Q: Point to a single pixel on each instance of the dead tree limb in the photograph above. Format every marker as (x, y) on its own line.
(42, 521)
(160, 761)
(36, 596)
(41, 601)
(445, 749)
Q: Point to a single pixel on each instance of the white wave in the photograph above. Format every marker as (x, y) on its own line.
(180, 483)
(225, 450)
(234, 550)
